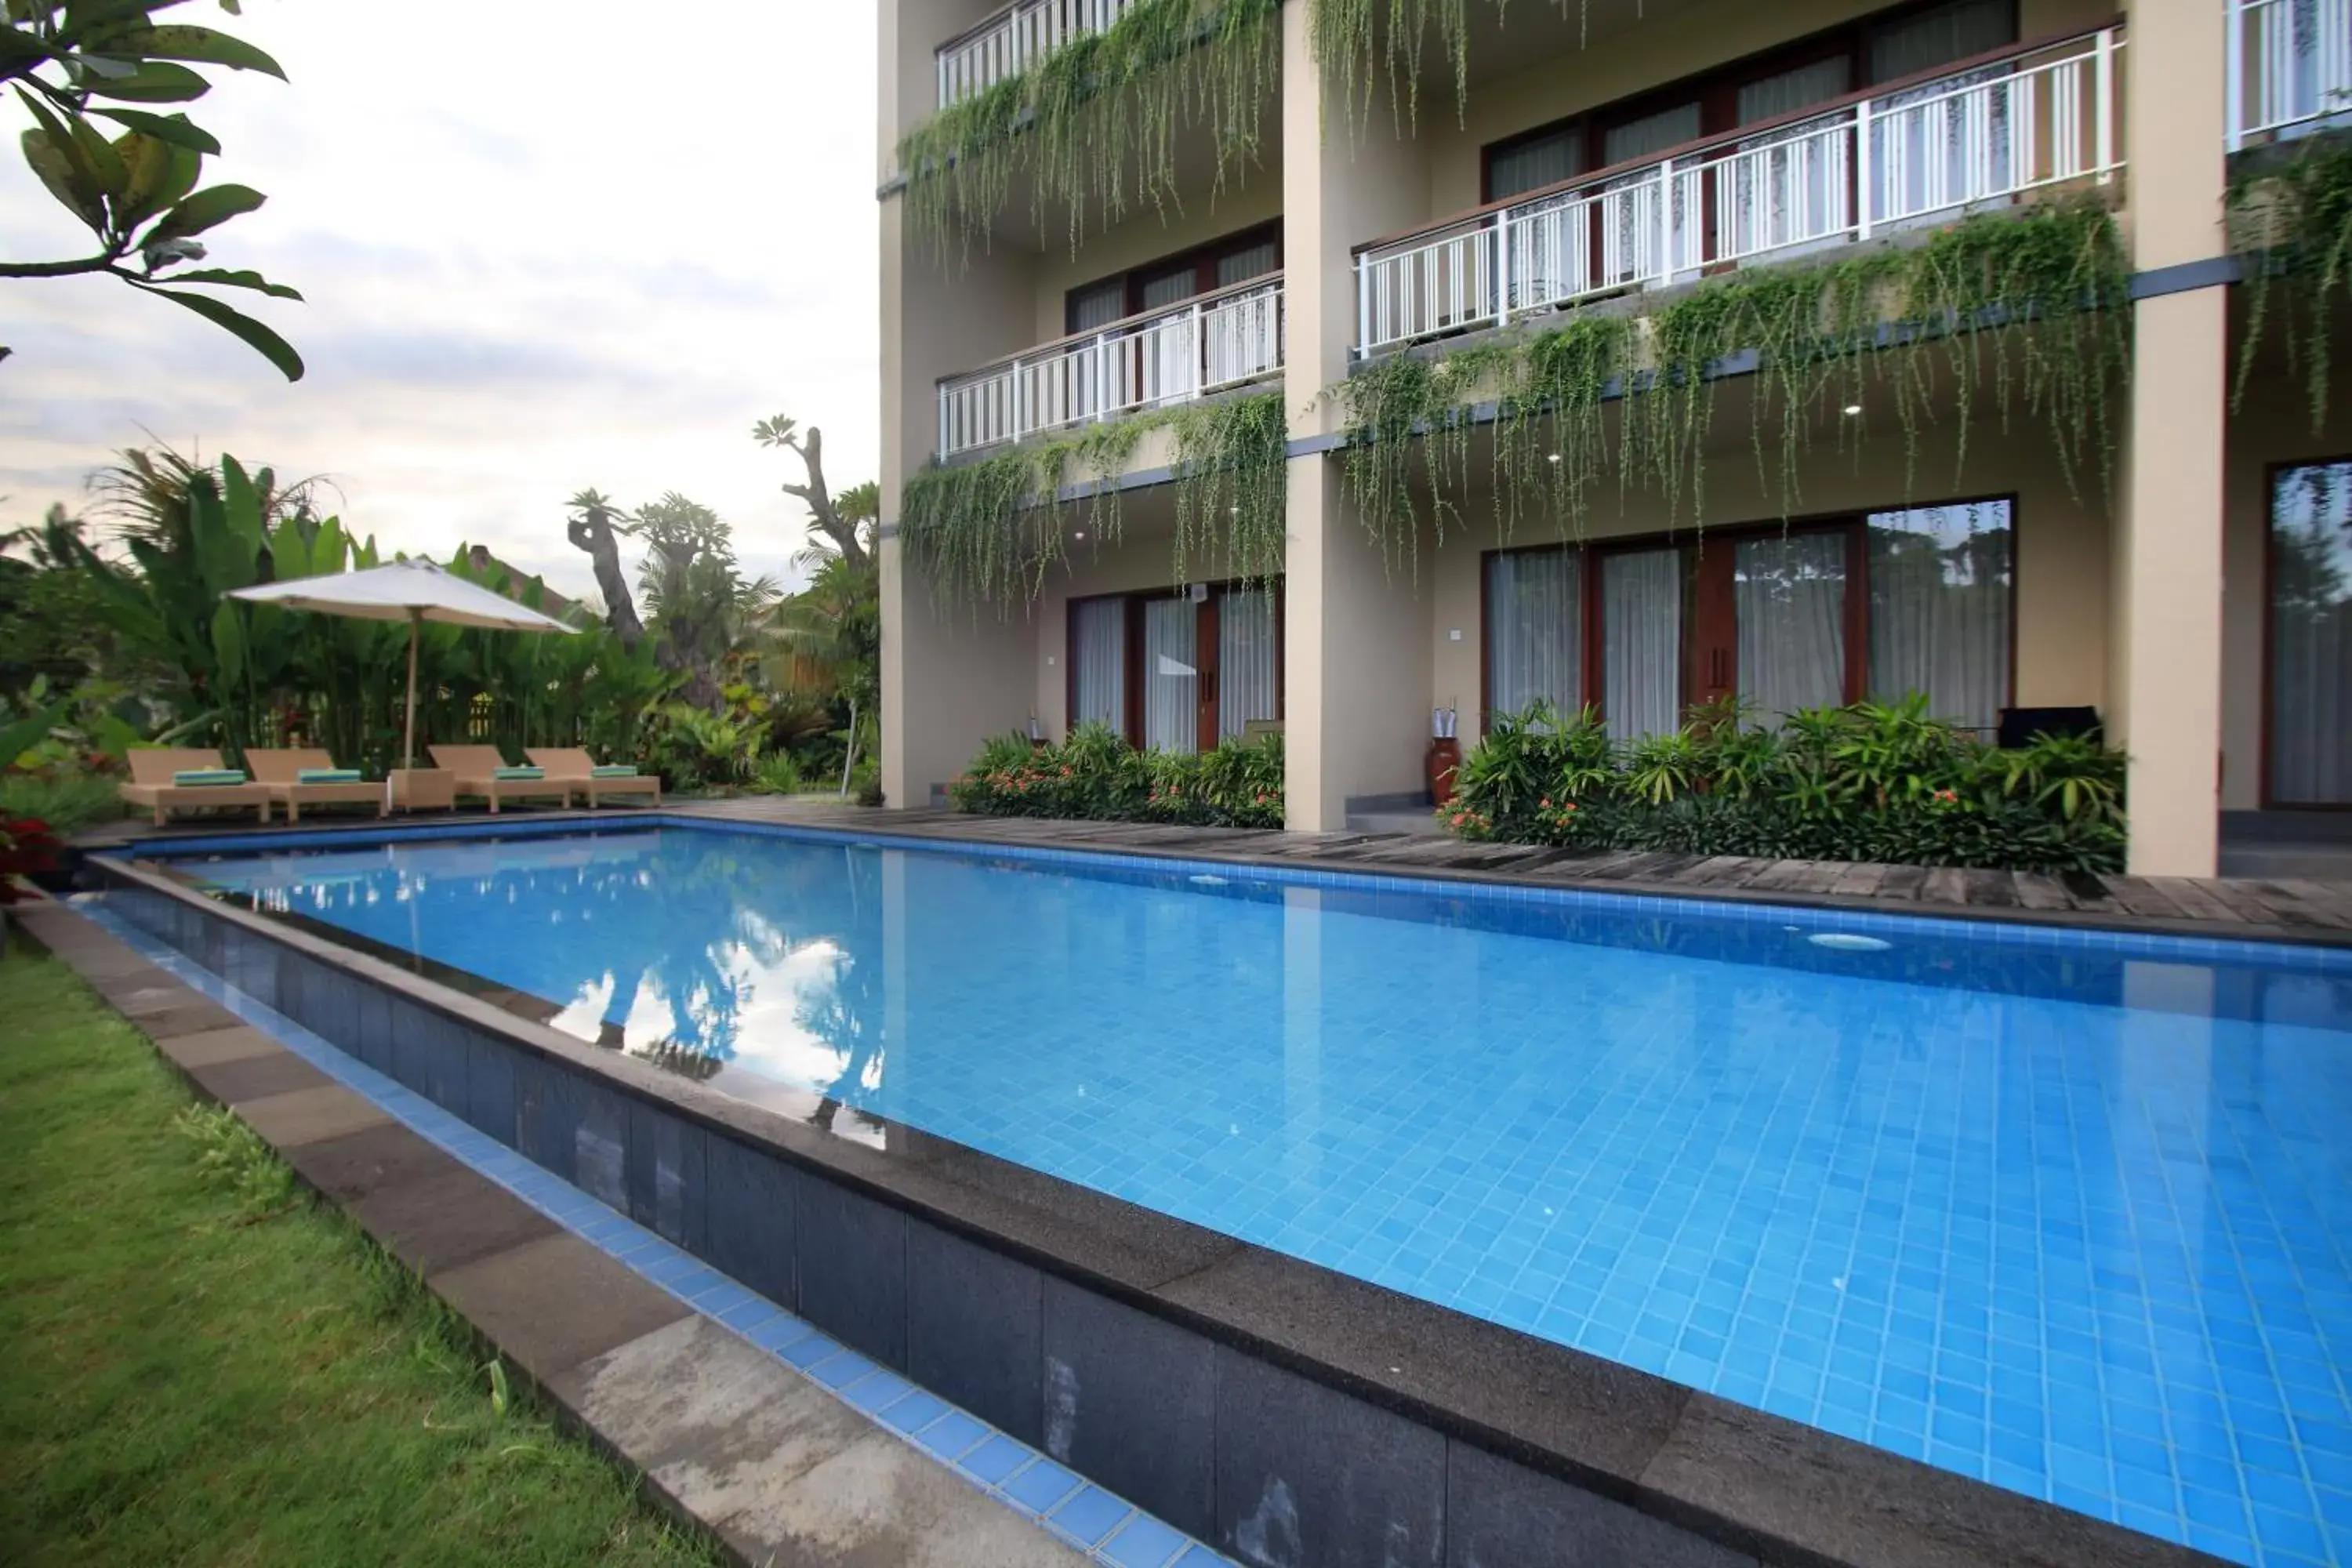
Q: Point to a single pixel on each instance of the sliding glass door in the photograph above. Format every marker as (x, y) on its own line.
(1177, 671)
(1780, 618)
(2310, 696)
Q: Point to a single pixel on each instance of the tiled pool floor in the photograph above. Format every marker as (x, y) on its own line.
(2066, 1211)
(1107, 1527)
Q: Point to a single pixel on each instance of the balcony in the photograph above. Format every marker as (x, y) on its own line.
(1921, 150)
(1016, 39)
(1156, 360)
(2289, 65)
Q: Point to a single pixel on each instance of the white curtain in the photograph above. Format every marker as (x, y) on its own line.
(1099, 663)
(1535, 630)
(1790, 596)
(1630, 223)
(1641, 641)
(2311, 635)
(1172, 676)
(1940, 151)
(1931, 38)
(1542, 161)
(1244, 265)
(1788, 186)
(1098, 304)
(1245, 659)
(1941, 583)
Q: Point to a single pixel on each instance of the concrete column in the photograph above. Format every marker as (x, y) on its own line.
(952, 673)
(1356, 637)
(2164, 695)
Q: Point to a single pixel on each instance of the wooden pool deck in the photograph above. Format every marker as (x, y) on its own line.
(2282, 908)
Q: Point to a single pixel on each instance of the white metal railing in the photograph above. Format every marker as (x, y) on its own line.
(1921, 151)
(1014, 39)
(1144, 361)
(2288, 63)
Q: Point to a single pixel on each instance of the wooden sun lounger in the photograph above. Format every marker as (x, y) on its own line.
(279, 773)
(151, 784)
(576, 768)
(474, 769)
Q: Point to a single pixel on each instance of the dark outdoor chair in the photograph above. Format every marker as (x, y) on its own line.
(2020, 726)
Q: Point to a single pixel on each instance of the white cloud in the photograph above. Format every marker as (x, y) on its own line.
(544, 246)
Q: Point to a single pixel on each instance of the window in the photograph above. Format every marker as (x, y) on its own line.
(1814, 614)
(1249, 659)
(1235, 258)
(1533, 162)
(1789, 596)
(1535, 630)
(2310, 684)
(1940, 586)
(1938, 35)
(1098, 305)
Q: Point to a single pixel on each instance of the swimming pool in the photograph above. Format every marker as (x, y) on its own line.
(2065, 1211)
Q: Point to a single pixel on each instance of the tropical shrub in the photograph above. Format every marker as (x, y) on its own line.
(1094, 775)
(1876, 782)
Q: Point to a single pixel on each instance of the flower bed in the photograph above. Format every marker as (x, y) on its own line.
(1870, 782)
(1096, 775)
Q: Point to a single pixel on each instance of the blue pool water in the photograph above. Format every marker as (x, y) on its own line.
(2067, 1213)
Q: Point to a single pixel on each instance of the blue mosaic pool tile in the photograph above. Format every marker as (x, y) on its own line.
(1040, 1486)
(2067, 1206)
(1088, 1515)
(930, 1423)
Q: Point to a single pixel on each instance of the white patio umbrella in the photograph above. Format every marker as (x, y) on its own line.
(412, 591)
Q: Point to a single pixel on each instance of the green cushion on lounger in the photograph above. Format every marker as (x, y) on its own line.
(326, 776)
(612, 771)
(520, 773)
(197, 778)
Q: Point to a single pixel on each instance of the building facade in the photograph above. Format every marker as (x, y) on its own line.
(1999, 518)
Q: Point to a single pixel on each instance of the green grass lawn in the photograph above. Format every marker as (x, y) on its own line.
(204, 1366)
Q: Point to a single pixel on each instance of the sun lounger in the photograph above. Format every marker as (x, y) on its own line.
(479, 770)
(576, 768)
(165, 780)
(282, 774)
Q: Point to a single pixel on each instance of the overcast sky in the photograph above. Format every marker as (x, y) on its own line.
(543, 246)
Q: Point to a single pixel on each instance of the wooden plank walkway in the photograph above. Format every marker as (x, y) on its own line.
(2274, 910)
(2268, 909)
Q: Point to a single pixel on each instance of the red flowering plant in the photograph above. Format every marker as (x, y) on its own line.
(28, 847)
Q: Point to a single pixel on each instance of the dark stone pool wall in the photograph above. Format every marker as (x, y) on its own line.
(1289, 1414)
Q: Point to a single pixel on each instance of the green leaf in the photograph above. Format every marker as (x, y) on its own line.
(201, 210)
(289, 556)
(104, 163)
(147, 163)
(160, 82)
(241, 508)
(176, 128)
(66, 166)
(241, 279)
(182, 42)
(228, 644)
(263, 341)
(59, 172)
(22, 736)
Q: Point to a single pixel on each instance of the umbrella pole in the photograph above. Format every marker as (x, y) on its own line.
(408, 738)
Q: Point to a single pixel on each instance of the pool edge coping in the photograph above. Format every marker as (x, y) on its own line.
(1761, 1483)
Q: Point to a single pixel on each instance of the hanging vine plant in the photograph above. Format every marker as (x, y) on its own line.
(1096, 121)
(988, 532)
(1353, 41)
(2034, 304)
(2290, 222)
